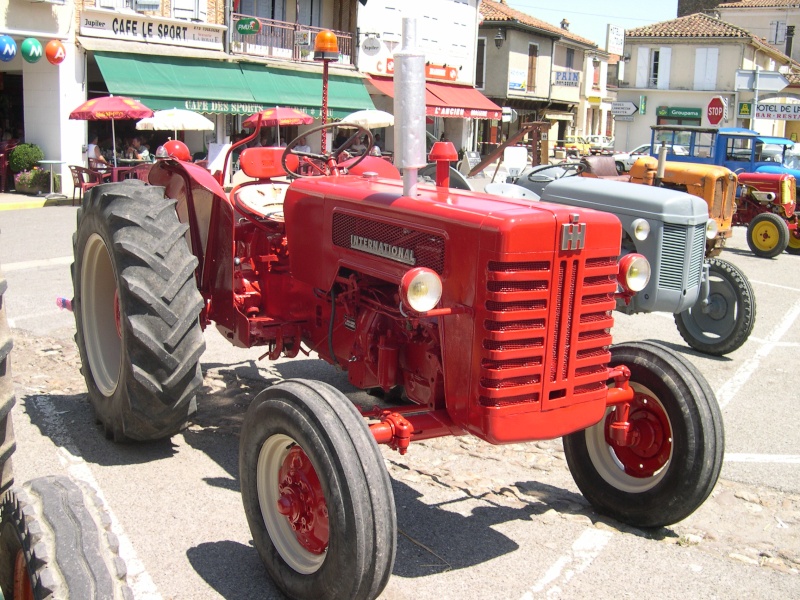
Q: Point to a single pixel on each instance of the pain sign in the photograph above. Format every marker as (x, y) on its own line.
(777, 110)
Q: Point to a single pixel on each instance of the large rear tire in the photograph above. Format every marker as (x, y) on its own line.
(136, 311)
(56, 542)
(675, 462)
(316, 493)
(767, 235)
(728, 320)
(7, 443)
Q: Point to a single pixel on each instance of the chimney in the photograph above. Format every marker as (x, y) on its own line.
(564, 24)
(789, 40)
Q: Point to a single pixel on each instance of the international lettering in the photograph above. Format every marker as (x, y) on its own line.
(403, 255)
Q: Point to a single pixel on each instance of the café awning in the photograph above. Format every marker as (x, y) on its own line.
(448, 100)
(302, 90)
(162, 82)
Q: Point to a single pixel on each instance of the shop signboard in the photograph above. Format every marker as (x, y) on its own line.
(781, 111)
(517, 80)
(248, 26)
(567, 78)
(153, 30)
(679, 112)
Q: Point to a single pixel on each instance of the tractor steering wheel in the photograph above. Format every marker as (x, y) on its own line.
(569, 169)
(319, 165)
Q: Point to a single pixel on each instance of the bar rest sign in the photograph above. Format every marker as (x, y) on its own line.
(778, 110)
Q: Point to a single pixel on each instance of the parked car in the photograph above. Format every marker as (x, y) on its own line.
(625, 160)
(574, 145)
(600, 144)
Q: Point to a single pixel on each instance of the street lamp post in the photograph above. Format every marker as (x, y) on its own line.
(326, 50)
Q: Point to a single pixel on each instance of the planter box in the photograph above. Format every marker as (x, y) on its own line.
(30, 189)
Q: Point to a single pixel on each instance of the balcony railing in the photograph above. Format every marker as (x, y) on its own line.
(287, 41)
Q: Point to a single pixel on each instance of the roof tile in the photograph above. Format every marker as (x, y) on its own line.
(761, 4)
(500, 11)
(690, 26)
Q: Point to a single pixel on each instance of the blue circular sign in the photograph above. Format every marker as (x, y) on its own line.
(8, 48)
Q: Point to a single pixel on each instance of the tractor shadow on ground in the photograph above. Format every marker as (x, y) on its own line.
(69, 421)
(233, 570)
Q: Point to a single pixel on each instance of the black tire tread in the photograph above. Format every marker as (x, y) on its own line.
(746, 319)
(65, 534)
(161, 305)
(7, 398)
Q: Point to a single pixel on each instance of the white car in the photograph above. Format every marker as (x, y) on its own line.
(625, 160)
(600, 144)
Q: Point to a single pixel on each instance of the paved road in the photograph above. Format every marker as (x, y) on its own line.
(476, 521)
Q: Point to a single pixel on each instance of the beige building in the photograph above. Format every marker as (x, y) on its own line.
(768, 19)
(675, 68)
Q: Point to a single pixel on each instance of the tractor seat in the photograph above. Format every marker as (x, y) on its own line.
(265, 199)
(602, 167)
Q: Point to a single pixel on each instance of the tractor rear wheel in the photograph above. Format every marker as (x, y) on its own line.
(136, 311)
(316, 493)
(767, 235)
(676, 455)
(7, 443)
(794, 243)
(728, 319)
(56, 542)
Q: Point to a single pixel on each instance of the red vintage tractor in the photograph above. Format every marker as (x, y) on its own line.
(765, 204)
(476, 314)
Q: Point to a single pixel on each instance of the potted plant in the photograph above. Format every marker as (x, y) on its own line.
(35, 181)
(25, 157)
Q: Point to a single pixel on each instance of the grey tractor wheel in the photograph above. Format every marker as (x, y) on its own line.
(728, 320)
(316, 493)
(136, 311)
(7, 443)
(675, 459)
(56, 542)
(767, 235)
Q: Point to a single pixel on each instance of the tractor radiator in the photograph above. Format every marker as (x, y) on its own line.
(546, 332)
(682, 252)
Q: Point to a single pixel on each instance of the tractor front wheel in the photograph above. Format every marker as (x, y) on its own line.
(136, 311)
(675, 455)
(56, 542)
(767, 235)
(726, 321)
(316, 493)
(794, 242)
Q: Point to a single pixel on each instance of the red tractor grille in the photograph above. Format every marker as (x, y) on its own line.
(546, 330)
(427, 248)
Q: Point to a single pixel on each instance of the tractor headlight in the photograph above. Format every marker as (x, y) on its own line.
(634, 272)
(712, 229)
(641, 229)
(421, 289)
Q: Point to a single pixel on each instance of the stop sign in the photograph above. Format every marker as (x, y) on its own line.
(715, 110)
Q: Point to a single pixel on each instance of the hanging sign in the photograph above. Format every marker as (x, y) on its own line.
(248, 26)
(55, 52)
(31, 50)
(8, 48)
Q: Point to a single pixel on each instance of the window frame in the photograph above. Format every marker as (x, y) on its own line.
(532, 66)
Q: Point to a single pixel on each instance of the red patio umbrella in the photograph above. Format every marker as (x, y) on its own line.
(111, 108)
(280, 115)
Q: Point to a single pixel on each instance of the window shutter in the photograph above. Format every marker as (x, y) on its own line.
(533, 56)
(191, 10)
(711, 69)
(700, 58)
(665, 55)
(642, 67)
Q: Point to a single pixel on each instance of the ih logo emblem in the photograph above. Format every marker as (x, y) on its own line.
(573, 234)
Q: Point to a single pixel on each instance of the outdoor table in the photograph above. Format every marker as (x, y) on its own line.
(52, 194)
(118, 173)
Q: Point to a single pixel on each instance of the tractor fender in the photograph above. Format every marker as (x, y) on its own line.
(163, 171)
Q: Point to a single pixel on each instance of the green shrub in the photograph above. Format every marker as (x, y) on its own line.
(37, 178)
(24, 157)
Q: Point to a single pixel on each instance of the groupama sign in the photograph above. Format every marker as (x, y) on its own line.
(248, 26)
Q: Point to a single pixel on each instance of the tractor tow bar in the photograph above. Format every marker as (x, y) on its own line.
(620, 396)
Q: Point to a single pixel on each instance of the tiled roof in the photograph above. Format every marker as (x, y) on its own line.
(690, 26)
(761, 4)
(500, 11)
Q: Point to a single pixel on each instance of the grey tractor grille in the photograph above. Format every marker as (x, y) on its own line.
(682, 251)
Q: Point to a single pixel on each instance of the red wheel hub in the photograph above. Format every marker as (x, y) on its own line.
(302, 501)
(651, 438)
(22, 583)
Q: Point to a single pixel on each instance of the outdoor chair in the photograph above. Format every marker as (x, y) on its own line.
(100, 167)
(84, 179)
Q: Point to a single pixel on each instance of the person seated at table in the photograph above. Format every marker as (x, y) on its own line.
(137, 150)
(302, 145)
(359, 147)
(96, 158)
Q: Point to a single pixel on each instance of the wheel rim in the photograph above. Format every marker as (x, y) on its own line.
(100, 315)
(292, 504)
(765, 236)
(794, 241)
(22, 581)
(641, 466)
(718, 319)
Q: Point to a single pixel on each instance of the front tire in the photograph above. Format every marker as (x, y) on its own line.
(136, 311)
(793, 246)
(317, 496)
(767, 235)
(730, 316)
(674, 464)
(56, 542)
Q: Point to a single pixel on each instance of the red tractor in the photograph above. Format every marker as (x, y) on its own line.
(475, 314)
(765, 204)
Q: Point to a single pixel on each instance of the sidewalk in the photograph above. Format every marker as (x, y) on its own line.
(14, 201)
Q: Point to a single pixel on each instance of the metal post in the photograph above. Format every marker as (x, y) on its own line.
(755, 100)
(323, 136)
